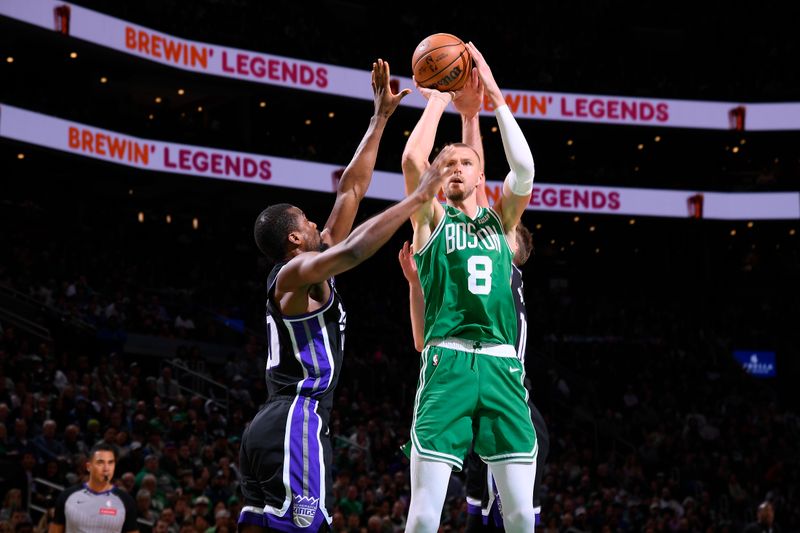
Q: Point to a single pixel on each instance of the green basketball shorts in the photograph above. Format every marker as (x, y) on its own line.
(468, 389)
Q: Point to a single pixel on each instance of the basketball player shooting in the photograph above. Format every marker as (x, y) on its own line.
(464, 260)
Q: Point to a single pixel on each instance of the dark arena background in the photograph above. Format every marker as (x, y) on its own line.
(662, 295)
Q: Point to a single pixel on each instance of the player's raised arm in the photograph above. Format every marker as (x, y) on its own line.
(358, 174)
(518, 184)
(314, 267)
(468, 102)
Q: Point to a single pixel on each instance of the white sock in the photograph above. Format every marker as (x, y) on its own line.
(515, 484)
(429, 481)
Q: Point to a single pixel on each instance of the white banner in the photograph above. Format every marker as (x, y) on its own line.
(269, 69)
(87, 141)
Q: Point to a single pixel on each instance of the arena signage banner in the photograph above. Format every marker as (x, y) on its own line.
(759, 364)
(147, 154)
(257, 67)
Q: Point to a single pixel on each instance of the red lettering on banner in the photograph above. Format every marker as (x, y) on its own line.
(581, 199)
(248, 65)
(598, 200)
(564, 111)
(306, 75)
(322, 77)
(156, 40)
(108, 146)
(613, 109)
(289, 72)
(569, 198)
(549, 197)
(580, 107)
(241, 65)
(628, 110)
(225, 65)
(160, 47)
(531, 105)
(565, 198)
(258, 66)
(599, 109)
(274, 68)
(217, 164)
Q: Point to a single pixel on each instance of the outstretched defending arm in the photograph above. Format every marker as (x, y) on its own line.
(314, 267)
(357, 176)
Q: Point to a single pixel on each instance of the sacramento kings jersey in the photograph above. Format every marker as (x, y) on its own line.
(464, 270)
(305, 351)
(517, 287)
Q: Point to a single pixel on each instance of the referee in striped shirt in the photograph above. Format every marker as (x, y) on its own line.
(96, 506)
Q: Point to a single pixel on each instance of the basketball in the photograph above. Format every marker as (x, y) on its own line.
(441, 61)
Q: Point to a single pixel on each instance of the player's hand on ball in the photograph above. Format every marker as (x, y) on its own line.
(486, 76)
(469, 99)
(446, 97)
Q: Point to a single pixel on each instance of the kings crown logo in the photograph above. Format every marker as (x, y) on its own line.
(304, 510)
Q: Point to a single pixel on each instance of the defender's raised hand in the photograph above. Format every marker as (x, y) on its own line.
(385, 100)
(436, 174)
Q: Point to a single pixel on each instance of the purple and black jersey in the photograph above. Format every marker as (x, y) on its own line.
(305, 351)
(286, 449)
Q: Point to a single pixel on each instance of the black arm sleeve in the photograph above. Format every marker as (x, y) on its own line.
(130, 512)
(60, 516)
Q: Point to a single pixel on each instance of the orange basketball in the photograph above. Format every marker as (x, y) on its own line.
(441, 61)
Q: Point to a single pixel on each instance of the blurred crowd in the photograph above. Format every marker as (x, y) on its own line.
(653, 425)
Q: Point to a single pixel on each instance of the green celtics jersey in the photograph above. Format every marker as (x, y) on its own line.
(465, 272)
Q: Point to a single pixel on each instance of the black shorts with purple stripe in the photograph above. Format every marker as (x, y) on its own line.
(285, 482)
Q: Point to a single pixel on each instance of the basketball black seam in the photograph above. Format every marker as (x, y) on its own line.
(437, 48)
(446, 67)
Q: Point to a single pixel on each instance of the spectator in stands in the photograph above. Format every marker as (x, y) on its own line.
(168, 517)
(144, 506)
(4, 444)
(73, 444)
(11, 502)
(166, 387)
(20, 443)
(765, 520)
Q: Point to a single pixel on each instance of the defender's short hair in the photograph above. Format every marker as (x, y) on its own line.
(272, 227)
